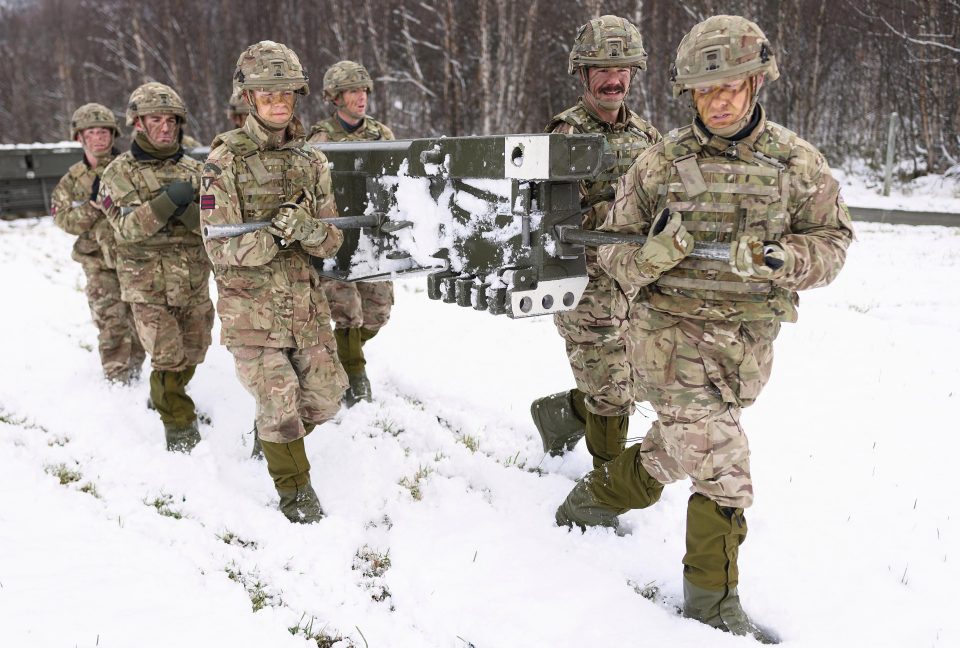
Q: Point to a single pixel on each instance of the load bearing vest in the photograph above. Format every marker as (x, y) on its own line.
(722, 196)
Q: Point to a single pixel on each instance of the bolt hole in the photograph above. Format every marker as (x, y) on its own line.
(547, 302)
(568, 300)
(526, 304)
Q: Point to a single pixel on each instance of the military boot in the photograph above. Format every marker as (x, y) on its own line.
(181, 438)
(710, 572)
(605, 492)
(559, 419)
(350, 352)
(606, 436)
(289, 467)
(300, 504)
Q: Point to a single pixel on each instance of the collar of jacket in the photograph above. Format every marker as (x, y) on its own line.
(267, 139)
(720, 145)
(107, 159)
(623, 115)
(142, 156)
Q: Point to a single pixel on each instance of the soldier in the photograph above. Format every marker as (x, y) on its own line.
(701, 332)
(238, 108)
(149, 195)
(359, 309)
(276, 321)
(75, 212)
(606, 55)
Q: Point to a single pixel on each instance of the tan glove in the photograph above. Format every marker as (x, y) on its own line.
(295, 223)
(668, 244)
(751, 257)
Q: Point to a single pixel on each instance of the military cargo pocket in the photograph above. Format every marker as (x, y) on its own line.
(243, 314)
(652, 345)
(754, 370)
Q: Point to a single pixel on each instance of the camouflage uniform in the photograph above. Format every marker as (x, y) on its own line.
(121, 354)
(275, 318)
(163, 270)
(594, 331)
(359, 309)
(701, 332)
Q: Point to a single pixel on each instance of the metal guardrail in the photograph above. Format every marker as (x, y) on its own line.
(903, 217)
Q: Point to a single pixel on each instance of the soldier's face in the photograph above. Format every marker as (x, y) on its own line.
(96, 140)
(276, 107)
(608, 84)
(161, 128)
(723, 104)
(353, 102)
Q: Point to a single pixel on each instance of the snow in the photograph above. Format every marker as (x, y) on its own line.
(853, 538)
(931, 193)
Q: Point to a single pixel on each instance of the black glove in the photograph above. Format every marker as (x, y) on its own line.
(173, 199)
(180, 192)
(95, 190)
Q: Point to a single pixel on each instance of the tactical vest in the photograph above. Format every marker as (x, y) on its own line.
(626, 142)
(267, 178)
(744, 190)
(148, 179)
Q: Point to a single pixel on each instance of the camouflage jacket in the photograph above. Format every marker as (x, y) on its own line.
(771, 184)
(628, 137)
(159, 260)
(332, 130)
(268, 295)
(75, 213)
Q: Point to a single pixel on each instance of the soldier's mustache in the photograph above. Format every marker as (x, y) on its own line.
(613, 87)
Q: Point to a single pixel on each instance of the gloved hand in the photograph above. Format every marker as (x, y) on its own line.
(173, 197)
(668, 244)
(752, 257)
(190, 216)
(294, 222)
(95, 190)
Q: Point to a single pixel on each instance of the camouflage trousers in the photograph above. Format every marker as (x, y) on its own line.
(698, 376)
(361, 304)
(291, 387)
(121, 353)
(175, 337)
(594, 333)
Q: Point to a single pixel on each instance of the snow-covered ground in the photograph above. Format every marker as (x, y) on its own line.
(932, 193)
(440, 502)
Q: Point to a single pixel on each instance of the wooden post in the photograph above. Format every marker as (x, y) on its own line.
(891, 141)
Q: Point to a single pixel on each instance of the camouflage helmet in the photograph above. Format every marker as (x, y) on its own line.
(154, 98)
(93, 115)
(719, 49)
(607, 41)
(270, 66)
(237, 105)
(345, 75)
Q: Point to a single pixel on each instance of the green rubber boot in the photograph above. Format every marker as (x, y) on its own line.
(289, 467)
(168, 394)
(559, 419)
(350, 352)
(181, 438)
(710, 573)
(606, 492)
(606, 437)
